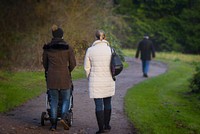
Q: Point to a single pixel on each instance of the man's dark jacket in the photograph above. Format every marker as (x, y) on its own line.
(145, 50)
(58, 61)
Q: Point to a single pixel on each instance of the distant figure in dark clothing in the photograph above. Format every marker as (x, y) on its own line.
(146, 51)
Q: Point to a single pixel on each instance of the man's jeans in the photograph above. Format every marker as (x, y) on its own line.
(53, 95)
(102, 104)
(145, 66)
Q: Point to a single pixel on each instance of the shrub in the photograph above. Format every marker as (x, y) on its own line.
(195, 80)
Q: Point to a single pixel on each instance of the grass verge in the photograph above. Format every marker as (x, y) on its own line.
(16, 88)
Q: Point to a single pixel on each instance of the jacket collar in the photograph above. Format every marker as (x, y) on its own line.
(99, 41)
(56, 43)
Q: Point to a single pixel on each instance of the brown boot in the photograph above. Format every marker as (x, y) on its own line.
(64, 121)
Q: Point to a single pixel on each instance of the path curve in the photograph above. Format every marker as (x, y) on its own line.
(26, 118)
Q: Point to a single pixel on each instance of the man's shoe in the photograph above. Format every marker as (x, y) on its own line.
(100, 132)
(52, 128)
(145, 75)
(65, 124)
(53, 125)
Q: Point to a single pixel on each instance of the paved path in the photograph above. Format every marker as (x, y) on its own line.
(26, 118)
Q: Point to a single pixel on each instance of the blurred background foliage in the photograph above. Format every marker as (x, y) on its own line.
(26, 27)
(173, 25)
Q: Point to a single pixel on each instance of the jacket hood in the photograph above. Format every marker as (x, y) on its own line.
(56, 43)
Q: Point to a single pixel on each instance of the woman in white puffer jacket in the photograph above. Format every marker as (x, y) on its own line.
(101, 83)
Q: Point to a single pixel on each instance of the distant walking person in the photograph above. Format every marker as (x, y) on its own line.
(101, 83)
(146, 51)
(58, 61)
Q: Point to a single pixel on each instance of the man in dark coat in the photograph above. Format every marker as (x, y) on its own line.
(146, 51)
(58, 61)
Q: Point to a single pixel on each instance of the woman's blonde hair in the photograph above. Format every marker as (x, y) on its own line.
(100, 34)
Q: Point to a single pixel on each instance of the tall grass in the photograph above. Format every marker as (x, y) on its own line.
(163, 104)
(175, 56)
(172, 56)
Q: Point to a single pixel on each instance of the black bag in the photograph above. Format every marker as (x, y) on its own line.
(116, 65)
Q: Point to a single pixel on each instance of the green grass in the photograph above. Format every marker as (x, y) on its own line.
(78, 73)
(164, 104)
(16, 88)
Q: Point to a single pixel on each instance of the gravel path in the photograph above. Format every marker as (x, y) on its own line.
(26, 118)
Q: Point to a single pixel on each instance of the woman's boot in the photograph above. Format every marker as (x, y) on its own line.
(107, 114)
(100, 121)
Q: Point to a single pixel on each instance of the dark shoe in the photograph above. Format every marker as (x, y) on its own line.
(100, 132)
(52, 128)
(100, 121)
(65, 124)
(145, 75)
(53, 125)
(107, 115)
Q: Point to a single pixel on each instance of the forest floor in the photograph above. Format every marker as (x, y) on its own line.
(25, 119)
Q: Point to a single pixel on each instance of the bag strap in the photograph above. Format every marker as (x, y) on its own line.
(112, 50)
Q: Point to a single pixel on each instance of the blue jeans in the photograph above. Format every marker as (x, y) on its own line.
(102, 104)
(53, 95)
(145, 66)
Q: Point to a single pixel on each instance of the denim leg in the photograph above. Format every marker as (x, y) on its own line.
(146, 69)
(65, 94)
(107, 103)
(143, 66)
(98, 104)
(53, 101)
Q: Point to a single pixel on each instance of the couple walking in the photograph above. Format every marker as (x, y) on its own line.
(59, 61)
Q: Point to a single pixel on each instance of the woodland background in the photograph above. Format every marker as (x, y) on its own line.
(25, 26)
